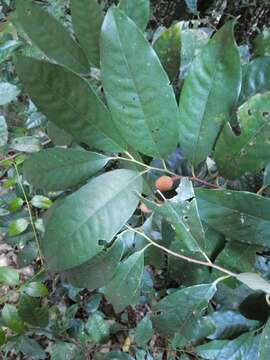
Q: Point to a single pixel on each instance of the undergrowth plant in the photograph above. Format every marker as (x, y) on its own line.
(160, 170)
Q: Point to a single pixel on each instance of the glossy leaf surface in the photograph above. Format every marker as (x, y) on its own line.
(97, 211)
(144, 111)
(179, 311)
(86, 274)
(60, 169)
(70, 102)
(239, 215)
(124, 288)
(87, 19)
(56, 42)
(137, 10)
(209, 93)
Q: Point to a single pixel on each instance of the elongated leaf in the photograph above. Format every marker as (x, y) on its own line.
(17, 227)
(179, 311)
(230, 324)
(123, 290)
(264, 346)
(87, 19)
(56, 43)
(249, 152)
(168, 49)
(60, 169)
(256, 77)
(254, 281)
(144, 110)
(30, 348)
(69, 102)
(210, 91)
(87, 276)
(66, 351)
(3, 131)
(238, 257)
(244, 347)
(239, 215)
(8, 93)
(9, 276)
(95, 212)
(137, 10)
(7, 48)
(12, 319)
(58, 136)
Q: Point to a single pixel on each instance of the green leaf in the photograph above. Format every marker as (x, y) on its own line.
(124, 288)
(230, 324)
(264, 346)
(9, 276)
(17, 227)
(256, 78)
(12, 319)
(143, 332)
(210, 90)
(136, 10)
(8, 93)
(247, 153)
(254, 281)
(66, 351)
(266, 176)
(97, 328)
(27, 255)
(59, 169)
(182, 213)
(144, 111)
(15, 204)
(192, 42)
(238, 215)
(78, 224)
(180, 310)
(87, 20)
(31, 312)
(41, 202)
(2, 337)
(35, 289)
(168, 49)
(63, 96)
(87, 276)
(27, 144)
(7, 48)
(245, 347)
(3, 131)
(238, 257)
(56, 43)
(58, 136)
(31, 348)
(262, 43)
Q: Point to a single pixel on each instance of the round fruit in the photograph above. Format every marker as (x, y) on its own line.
(164, 183)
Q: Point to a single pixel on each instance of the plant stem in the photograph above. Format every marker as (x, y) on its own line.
(30, 213)
(183, 257)
(176, 176)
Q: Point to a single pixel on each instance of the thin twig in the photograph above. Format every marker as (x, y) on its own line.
(183, 257)
(30, 213)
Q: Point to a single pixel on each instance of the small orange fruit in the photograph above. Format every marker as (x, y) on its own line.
(144, 208)
(164, 183)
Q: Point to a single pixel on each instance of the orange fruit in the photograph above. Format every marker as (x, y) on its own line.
(164, 183)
